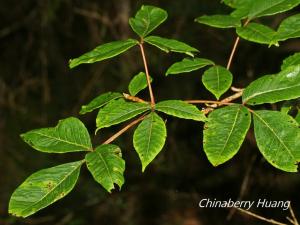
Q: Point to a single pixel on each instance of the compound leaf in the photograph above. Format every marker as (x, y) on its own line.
(70, 135)
(258, 33)
(138, 83)
(292, 60)
(147, 19)
(278, 139)
(44, 188)
(103, 52)
(225, 132)
(118, 111)
(99, 102)
(217, 80)
(289, 28)
(274, 88)
(107, 166)
(219, 21)
(149, 138)
(170, 45)
(188, 65)
(180, 109)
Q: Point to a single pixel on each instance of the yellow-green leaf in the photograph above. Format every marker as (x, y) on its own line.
(225, 132)
(103, 52)
(219, 21)
(278, 139)
(147, 19)
(70, 135)
(170, 45)
(149, 138)
(180, 109)
(107, 166)
(44, 188)
(217, 80)
(188, 65)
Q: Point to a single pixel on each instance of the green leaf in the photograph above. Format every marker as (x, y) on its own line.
(254, 9)
(107, 166)
(147, 19)
(44, 188)
(180, 109)
(258, 33)
(138, 83)
(188, 65)
(70, 135)
(274, 88)
(261, 8)
(217, 80)
(219, 21)
(286, 107)
(292, 60)
(100, 101)
(103, 52)
(278, 139)
(236, 3)
(170, 45)
(289, 28)
(118, 111)
(149, 138)
(225, 132)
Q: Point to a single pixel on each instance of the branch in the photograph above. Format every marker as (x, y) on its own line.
(271, 221)
(123, 130)
(215, 104)
(294, 219)
(147, 75)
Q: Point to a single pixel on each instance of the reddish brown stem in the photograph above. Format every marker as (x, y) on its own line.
(233, 51)
(123, 130)
(147, 75)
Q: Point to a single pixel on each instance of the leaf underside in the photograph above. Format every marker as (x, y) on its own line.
(219, 21)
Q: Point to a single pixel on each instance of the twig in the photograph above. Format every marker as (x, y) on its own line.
(208, 102)
(236, 42)
(123, 130)
(293, 215)
(271, 221)
(244, 185)
(134, 98)
(290, 220)
(147, 75)
(235, 89)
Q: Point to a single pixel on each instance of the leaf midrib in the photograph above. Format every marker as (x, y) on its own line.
(178, 109)
(105, 165)
(62, 140)
(231, 130)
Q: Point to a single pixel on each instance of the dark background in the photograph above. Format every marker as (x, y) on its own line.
(37, 38)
